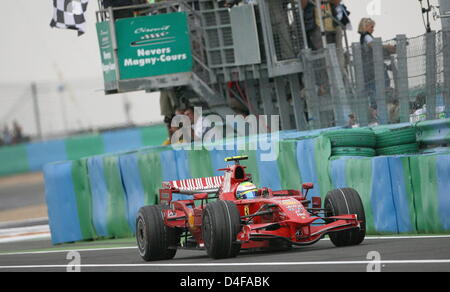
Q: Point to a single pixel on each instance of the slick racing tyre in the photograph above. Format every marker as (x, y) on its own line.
(220, 225)
(155, 240)
(352, 138)
(396, 137)
(342, 202)
(399, 149)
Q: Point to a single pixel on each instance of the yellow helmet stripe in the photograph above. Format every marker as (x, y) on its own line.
(248, 191)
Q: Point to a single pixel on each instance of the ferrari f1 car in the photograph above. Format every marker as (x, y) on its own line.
(225, 214)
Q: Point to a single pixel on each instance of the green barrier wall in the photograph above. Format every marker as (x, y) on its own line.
(13, 159)
(289, 172)
(117, 217)
(84, 146)
(424, 183)
(83, 195)
(153, 136)
(200, 163)
(322, 153)
(150, 169)
(358, 175)
(406, 193)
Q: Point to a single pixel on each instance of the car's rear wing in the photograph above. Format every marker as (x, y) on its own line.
(189, 187)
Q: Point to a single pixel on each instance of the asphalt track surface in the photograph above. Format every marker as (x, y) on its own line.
(21, 195)
(396, 254)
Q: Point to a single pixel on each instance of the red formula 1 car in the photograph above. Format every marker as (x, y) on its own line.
(228, 213)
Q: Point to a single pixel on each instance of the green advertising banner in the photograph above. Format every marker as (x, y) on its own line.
(107, 55)
(153, 45)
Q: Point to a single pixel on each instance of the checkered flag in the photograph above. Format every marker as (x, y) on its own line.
(69, 14)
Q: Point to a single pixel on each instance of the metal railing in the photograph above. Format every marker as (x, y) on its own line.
(407, 85)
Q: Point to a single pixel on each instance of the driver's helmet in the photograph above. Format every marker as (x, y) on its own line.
(246, 190)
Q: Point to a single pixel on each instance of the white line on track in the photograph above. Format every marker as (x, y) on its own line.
(318, 263)
(134, 247)
(407, 237)
(8, 235)
(21, 230)
(66, 250)
(25, 237)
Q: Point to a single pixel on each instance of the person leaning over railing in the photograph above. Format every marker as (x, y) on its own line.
(366, 29)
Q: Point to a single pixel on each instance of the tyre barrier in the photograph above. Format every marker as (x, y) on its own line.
(352, 151)
(393, 137)
(358, 137)
(99, 197)
(399, 149)
(396, 141)
(352, 142)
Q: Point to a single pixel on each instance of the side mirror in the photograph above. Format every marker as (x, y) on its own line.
(317, 202)
(308, 186)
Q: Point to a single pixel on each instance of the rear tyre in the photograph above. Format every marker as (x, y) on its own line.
(342, 202)
(155, 240)
(220, 225)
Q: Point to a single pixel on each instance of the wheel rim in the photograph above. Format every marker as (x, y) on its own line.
(206, 233)
(141, 236)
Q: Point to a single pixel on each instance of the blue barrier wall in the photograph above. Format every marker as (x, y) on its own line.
(269, 174)
(307, 164)
(371, 177)
(402, 194)
(443, 183)
(124, 140)
(132, 183)
(61, 203)
(99, 191)
(41, 153)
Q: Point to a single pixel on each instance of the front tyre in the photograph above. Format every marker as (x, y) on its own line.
(342, 202)
(155, 240)
(220, 225)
